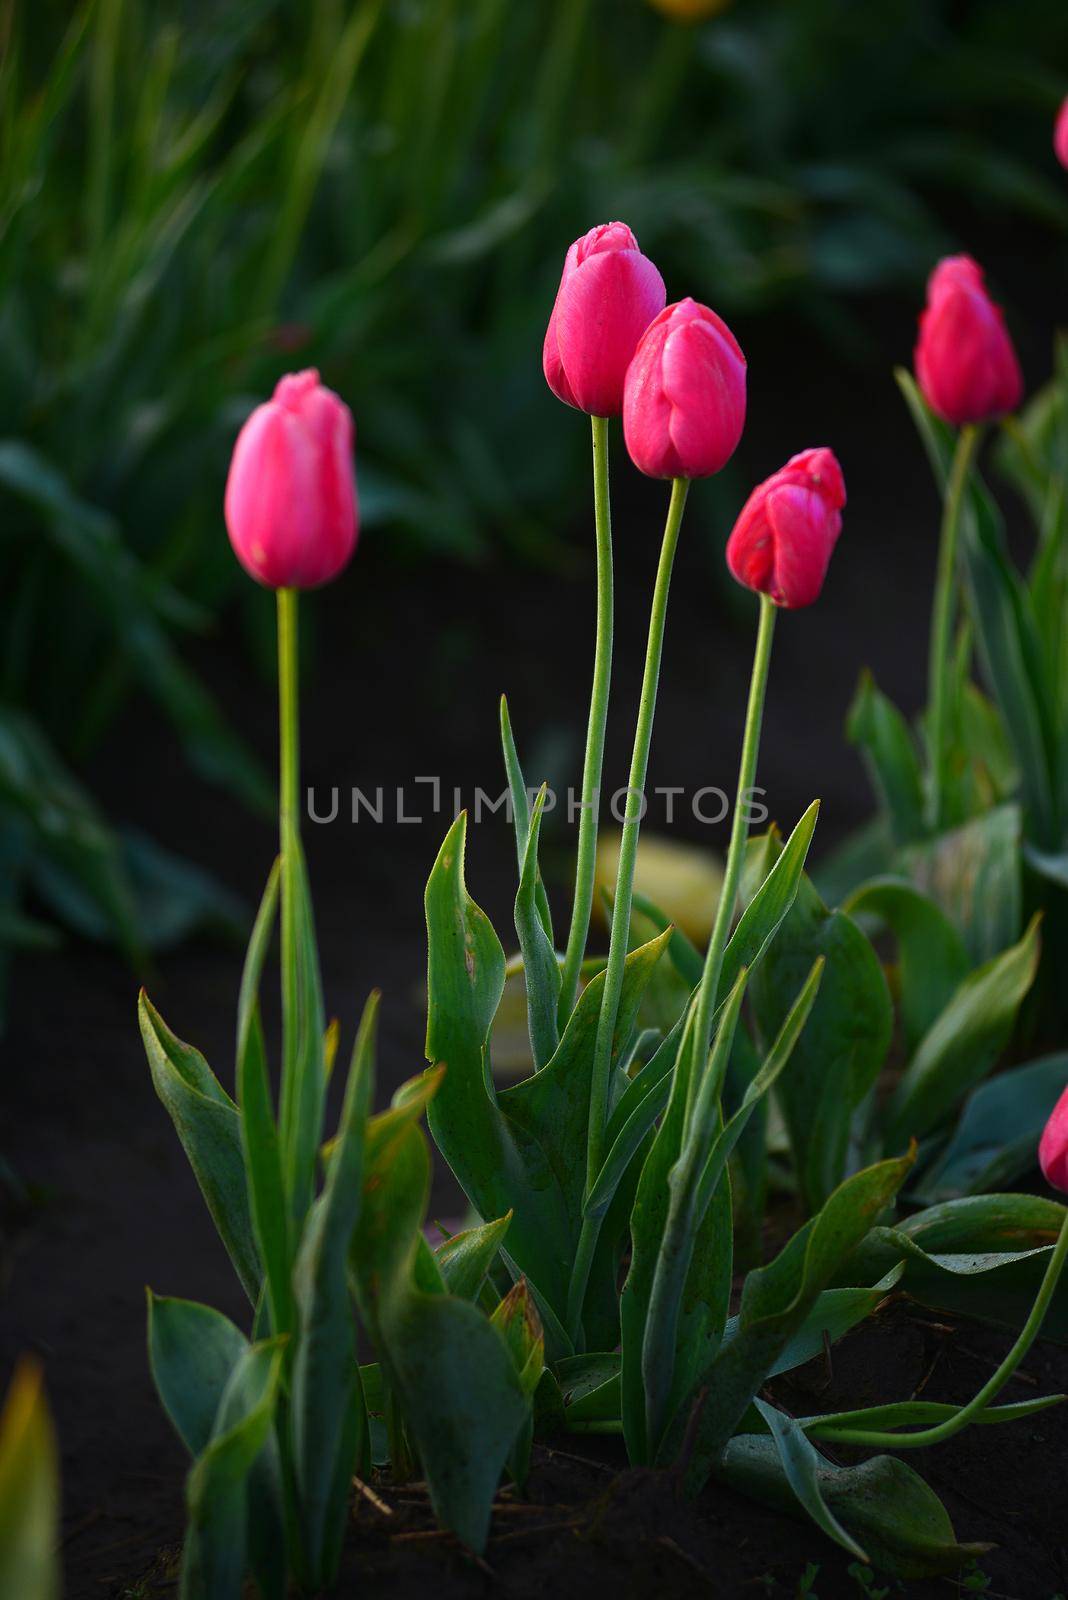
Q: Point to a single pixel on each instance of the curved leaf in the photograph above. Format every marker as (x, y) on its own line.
(207, 1122)
(903, 1525)
(838, 1056)
(996, 1140)
(932, 954)
(962, 1045)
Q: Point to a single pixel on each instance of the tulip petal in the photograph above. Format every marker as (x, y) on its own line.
(603, 308)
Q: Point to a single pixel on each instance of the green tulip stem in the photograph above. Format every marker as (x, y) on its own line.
(700, 1095)
(600, 1080)
(289, 834)
(990, 1390)
(938, 665)
(703, 1085)
(586, 859)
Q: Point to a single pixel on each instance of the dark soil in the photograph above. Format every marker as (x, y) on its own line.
(408, 664)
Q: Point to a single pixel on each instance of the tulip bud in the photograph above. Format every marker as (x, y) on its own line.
(1053, 1146)
(965, 361)
(1060, 135)
(608, 295)
(782, 542)
(291, 509)
(516, 1320)
(684, 401)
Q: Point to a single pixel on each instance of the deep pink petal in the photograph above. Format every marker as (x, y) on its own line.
(603, 309)
(1053, 1146)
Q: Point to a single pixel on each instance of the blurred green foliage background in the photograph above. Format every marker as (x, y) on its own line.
(195, 197)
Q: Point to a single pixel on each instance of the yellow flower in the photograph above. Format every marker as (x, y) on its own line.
(689, 10)
(682, 880)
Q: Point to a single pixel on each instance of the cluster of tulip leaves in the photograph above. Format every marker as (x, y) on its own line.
(327, 1240)
(661, 1360)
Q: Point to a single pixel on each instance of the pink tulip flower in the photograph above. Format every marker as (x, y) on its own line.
(684, 401)
(1060, 134)
(965, 362)
(1053, 1146)
(291, 507)
(608, 295)
(782, 542)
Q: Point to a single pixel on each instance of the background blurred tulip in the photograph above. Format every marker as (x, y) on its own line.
(1053, 1146)
(689, 10)
(1060, 134)
(291, 508)
(608, 295)
(684, 403)
(966, 365)
(783, 539)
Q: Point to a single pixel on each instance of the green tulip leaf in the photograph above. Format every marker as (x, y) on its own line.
(304, 1075)
(996, 1140)
(259, 1133)
(590, 1387)
(882, 1504)
(452, 1373)
(192, 1351)
(327, 1415)
(982, 1256)
(221, 1536)
(541, 970)
(933, 960)
(963, 1043)
(1007, 632)
(776, 1302)
(973, 872)
(889, 750)
(208, 1124)
(519, 796)
(838, 1057)
(465, 1259)
(801, 1463)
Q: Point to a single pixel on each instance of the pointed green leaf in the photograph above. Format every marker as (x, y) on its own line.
(192, 1352)
(885, 1504)
(449, 1369)
(259, 1134)
(981, 1256)
(217, 1545)
(520, 802)
(327, 1413)
(973, 872)
(933, 960)
(541, 970)
(776, 1300)
(891, 757)
(962, 1045)
(466, 1258)
(842, 1048)
(801, 1464)
(996, 1139)
(208, 1125)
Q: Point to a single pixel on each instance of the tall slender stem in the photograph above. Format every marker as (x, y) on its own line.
(708, 990)
(628, 848)
(942, 619)
(289, 837)
(703, 1085)
(990, 1390)
(586, 860)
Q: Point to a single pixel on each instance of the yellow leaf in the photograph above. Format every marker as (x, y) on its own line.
(29, 1491)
